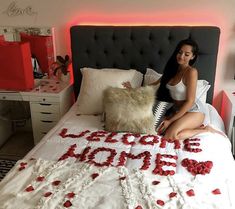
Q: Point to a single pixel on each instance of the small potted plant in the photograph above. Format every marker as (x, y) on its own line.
(61, 67)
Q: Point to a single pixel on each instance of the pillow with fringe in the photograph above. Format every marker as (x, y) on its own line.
(129, 110)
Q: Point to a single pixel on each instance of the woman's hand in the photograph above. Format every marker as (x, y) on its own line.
(127, 85)
(163, 126)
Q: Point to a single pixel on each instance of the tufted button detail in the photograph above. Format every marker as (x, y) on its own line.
(132, 38)
(150, 37)
(114, 38)
(141, 51)
(105, 52)
(170, 38)
(88, 51)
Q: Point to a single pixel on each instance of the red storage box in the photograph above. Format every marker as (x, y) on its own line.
(16, 71)
(42, 48)
(2, 38)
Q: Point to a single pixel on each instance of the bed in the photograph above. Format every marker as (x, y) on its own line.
(78, 164)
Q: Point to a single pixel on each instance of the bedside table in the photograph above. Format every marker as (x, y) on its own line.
(228, 115)
(48, 103)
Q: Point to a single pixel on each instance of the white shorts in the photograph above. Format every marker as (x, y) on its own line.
(198, 106)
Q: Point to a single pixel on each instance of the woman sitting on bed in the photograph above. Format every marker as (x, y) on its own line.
(178, 85)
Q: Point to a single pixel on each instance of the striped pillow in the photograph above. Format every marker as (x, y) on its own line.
(159, 111)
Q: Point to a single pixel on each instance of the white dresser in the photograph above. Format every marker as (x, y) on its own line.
(49, 101)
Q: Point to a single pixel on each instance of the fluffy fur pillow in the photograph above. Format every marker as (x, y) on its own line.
(129, 110)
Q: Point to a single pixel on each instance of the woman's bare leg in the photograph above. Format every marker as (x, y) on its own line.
(186, 126)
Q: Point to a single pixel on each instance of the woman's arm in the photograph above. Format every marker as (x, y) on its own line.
(191, 84)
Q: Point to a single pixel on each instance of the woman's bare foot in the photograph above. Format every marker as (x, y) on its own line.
(212, 130)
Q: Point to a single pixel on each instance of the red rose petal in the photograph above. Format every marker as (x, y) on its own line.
(47, 194)
(21, 168)
(172, 194)
(70, 195)
(138, 207)
(40, 178)
(67, 204)
(56, 183)
(160, 202)
(94, 175)
(216, 191)
(190, 193)
(155, 182)
(29, 189)
(23, 164)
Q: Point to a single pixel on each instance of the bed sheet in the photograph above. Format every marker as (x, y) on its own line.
(78, 165)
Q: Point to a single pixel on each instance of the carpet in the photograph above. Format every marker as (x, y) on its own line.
(5, 167)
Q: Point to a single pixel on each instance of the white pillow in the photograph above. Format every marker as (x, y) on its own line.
(202, 85)
(151, 76)
(202, 89)
(95, 81)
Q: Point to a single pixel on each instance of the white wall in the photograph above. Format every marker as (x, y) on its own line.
(61, 14)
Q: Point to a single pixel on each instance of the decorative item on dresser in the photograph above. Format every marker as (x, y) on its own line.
(41, 41)
(60, 68)
(228, 115)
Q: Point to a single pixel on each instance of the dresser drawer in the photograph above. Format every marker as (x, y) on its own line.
(13, 97)
(44, 107)
(44, 99)
(43, 125)
(43, 116)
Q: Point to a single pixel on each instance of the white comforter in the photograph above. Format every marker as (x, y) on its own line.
(79, 166)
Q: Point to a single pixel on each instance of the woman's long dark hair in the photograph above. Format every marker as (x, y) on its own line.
(171, 69)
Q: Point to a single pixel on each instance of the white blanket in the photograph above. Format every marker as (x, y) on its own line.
(79, 165)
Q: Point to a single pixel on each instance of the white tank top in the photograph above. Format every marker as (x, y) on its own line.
(178, 91)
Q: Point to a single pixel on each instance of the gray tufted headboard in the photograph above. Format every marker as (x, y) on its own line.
(139, 47)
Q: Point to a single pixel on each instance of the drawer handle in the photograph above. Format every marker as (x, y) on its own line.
(45, 104)
(46, 113)
(47, 121)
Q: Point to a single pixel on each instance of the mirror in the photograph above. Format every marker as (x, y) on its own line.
(41, 41)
